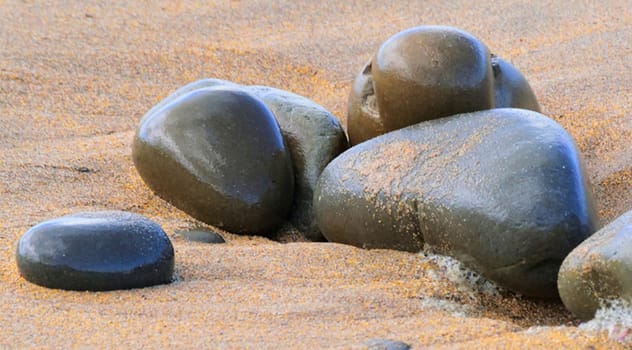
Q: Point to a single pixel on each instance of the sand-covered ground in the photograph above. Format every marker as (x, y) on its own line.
(76, 76)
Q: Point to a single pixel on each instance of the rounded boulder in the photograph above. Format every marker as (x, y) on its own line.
(217, 153)
(502, 190)
(599, 270)
(420, 74)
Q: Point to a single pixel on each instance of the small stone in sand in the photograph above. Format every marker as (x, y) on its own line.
(201, 235)
(385, 344)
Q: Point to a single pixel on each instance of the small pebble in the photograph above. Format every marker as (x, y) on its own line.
(201, 235)
(385, 344)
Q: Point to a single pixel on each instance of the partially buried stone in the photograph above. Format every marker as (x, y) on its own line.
(312, 134)
(502, 190)
(512, 90)
(599, 270)
(385, 344)
(96, 251)
(202, 235)
(217, 153)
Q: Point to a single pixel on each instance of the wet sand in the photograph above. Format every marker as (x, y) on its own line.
(76, 77)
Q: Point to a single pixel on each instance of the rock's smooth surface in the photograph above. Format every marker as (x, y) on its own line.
(385, 344)
(599, 269)
(502, 190)
(202, 235)
(512, 90)
(420, 74)
(217, 153)
(313, 136)
(96, 251)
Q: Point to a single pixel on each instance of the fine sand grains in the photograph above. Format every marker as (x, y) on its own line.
(76, 77)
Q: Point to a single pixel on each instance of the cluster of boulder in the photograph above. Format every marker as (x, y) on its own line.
(448, 149)
(243, 158)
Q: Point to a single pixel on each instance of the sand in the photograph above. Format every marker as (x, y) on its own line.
(75, 78)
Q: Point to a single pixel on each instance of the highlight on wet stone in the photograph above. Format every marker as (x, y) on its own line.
(96, 251)
(217, 154)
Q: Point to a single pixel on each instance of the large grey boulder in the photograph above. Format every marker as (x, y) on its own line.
(312, 134)
(503, 190)
(599, 270)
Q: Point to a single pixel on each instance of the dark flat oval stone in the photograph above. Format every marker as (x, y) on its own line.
(202, 236)
(96, 251)
(502, 190)
(217, 153)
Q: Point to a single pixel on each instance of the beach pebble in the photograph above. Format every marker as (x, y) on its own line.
(512, 90)
(385, 344)
(218, 154)
(201, 235)
(599, 270)
(96, 251)
(312, 134)
(502, 190)
(420, 74)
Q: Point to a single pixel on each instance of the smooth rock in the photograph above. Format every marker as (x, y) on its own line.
(217, 153)
(420, 74)
(313, 136)
(599, 270)
(512, 90)
(202, 235)
(385, 344)
(502, 190)
(96, 251)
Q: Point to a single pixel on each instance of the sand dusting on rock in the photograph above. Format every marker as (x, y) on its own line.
(76, 77)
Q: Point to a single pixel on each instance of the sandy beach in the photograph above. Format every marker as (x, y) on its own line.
(77, 76)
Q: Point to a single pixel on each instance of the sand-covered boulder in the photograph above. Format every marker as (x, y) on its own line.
(599, 270)
(312, 134)
(96, 251)
(503, 190)
(218, 154)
